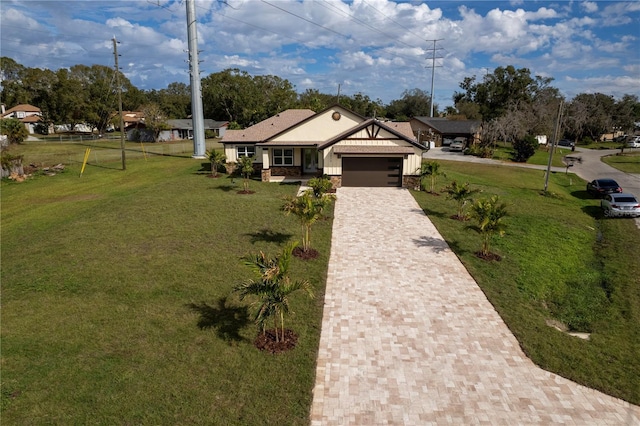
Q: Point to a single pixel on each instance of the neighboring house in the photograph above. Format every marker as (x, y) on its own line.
(183, 129)
(27, 114)
(437, 129)
(351, 149)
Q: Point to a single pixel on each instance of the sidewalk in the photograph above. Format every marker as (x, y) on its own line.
(409, 338)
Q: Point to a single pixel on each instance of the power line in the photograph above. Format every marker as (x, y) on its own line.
(305, 19)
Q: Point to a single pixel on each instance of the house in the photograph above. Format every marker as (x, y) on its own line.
(351, 149)
(183, 129)
(27, 114)
(439, 129)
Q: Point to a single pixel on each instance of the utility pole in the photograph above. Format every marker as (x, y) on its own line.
(197, 115)
(554, 141)
(119, 86)
(433, 69)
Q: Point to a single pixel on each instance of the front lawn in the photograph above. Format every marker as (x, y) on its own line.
(628, 163)
(116, 305)
(540, 158)
(562, 264)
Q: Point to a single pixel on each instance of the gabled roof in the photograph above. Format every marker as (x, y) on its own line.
(443, 125)
(23, 108)
(268, 128)
(397, 131)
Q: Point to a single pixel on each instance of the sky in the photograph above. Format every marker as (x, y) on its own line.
(376, 47)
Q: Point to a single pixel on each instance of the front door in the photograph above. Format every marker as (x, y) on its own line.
(309, 160)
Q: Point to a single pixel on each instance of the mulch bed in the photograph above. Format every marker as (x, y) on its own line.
(246, 192)
(305, 255)
(267, 341)
(489, 256)
(460, 218)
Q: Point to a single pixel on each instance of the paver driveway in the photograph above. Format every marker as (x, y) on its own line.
(409, 338)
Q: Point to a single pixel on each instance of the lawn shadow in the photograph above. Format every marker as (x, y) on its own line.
(582, 195)
(437, 245)
(430, 212)
(226, 319)
(227, 188)
(593, 211)
(269, 236)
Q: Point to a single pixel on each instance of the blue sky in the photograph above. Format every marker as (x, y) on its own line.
(377, 47)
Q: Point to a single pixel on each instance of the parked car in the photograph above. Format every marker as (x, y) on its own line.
(447, 141)
(602, 187)
(458, 144)
(634, 142)
(566, 143)
(620, 205)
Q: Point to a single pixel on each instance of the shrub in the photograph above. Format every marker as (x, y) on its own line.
(320, 185)
(524, 149)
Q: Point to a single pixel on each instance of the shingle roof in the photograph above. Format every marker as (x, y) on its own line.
(265, 129)
(444, 125)
(22, 107)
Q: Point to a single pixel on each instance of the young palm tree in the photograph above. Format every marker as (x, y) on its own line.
(432, 170)
(216, 158)
(489, 214)
(308, 209)
(461, 194)
(246, 168)
(272, 288)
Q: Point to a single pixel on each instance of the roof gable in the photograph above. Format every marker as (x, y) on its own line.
(266, 129)
(375, 130)
(319, 127)
(22, 108)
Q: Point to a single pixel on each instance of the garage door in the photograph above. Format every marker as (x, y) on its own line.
(372, 171)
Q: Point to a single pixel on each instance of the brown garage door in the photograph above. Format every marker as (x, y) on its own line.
(372, 171)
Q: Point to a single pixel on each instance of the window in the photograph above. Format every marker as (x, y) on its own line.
(246, 151)
(283, 157)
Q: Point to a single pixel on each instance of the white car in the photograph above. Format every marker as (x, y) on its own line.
(458, 144)
(620, 205)
(634, 142)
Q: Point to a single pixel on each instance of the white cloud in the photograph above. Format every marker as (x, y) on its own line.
(589, 6)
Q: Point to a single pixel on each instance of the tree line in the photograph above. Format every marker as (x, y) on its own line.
(509, 102)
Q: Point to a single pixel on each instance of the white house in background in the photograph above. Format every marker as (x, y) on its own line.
(28, 114)
(351, 149)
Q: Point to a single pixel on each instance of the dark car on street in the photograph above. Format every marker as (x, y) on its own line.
(566, 143)
(601, 187)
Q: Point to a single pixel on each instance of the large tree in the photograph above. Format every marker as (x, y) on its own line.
(414, 102)
(497, 91)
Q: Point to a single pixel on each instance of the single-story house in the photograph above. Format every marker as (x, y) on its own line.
(351, 149)
(438, 129)
(183, 129)
(29, 115)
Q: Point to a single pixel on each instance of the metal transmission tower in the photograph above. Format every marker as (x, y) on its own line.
(194, 75)
(433, 69)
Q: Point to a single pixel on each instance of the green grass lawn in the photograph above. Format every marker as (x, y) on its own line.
(541, 156)
(117, 306)
(628, 163)
(562, 263)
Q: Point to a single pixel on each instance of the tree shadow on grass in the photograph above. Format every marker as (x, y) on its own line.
(269, 236)
(430, 212)
(227, 320)
(594, 211)
(582, 195)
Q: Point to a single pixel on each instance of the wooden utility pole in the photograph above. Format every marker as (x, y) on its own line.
(554, 141)
(119, 86)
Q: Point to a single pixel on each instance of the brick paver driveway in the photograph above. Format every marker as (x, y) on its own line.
(409, 338)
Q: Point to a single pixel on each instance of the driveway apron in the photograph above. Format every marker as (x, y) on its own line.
(409, 338)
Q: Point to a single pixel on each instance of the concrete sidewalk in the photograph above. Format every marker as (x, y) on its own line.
(409, 338)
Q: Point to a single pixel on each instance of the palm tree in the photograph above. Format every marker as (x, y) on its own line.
(461, 194)
(308, 209)
(272, 288)
(432, 170)
(489, 214)
(216, 158)
(246, 168)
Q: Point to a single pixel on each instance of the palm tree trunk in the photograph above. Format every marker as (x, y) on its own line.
(282, 322)
(275, 327)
